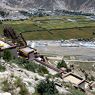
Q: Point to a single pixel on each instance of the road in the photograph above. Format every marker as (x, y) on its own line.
(80, 61)
(66, 51)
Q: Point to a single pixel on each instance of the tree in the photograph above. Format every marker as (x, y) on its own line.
(47, 87)
(62, 64)
(7, 55)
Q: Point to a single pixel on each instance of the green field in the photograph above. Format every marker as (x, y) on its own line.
(53, 28)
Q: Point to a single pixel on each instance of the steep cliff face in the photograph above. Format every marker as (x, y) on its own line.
(85, 5)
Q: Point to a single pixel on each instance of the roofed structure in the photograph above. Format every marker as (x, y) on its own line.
(4, 45)
(76, 81)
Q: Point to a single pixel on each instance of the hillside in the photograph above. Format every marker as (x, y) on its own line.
(84, 5)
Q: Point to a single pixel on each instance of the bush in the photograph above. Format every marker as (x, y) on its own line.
(21, 61)
(47, 87)
(62, 64)
(32, 66)
(7, 55)
(23, 89)
(6, 86)
(58, 75)
(2, 68)
(42, 70)
(18, 82)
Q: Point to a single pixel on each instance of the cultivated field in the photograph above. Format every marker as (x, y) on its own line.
(51, 28)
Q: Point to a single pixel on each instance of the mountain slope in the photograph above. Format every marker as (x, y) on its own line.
(84, 5)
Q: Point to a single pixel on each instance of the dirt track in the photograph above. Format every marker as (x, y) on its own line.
(61, 51)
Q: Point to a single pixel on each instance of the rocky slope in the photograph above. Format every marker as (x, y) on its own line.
(84, 5)
(14, 75)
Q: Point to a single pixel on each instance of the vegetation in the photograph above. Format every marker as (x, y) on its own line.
(62, 64)
(2, 68)
(3, 14)
(76, 92)
(6, 86)
(7, 55)
(23, 89)
(58, 75)
(9, 87)
(54, 28)
(87, 68)
(31, 66)
(47, 87)
(73, 90)
(43, 70)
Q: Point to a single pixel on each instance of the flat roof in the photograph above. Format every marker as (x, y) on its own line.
(73, 79)
(4, 45)
(27, 50)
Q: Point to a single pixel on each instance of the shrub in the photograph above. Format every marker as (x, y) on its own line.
(31, 67)
(21, 61)
(18, 82)
(23, 89)
(7, 55)
(58, 75)
(62, 64)
(2, 68)
(6, 86)
(42, 70)
(47, 87)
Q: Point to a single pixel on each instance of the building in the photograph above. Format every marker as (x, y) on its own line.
(26, 52)
(8, 46)
(76, 81)
(4, 45)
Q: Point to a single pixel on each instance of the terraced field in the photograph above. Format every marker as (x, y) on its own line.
(51, 28)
